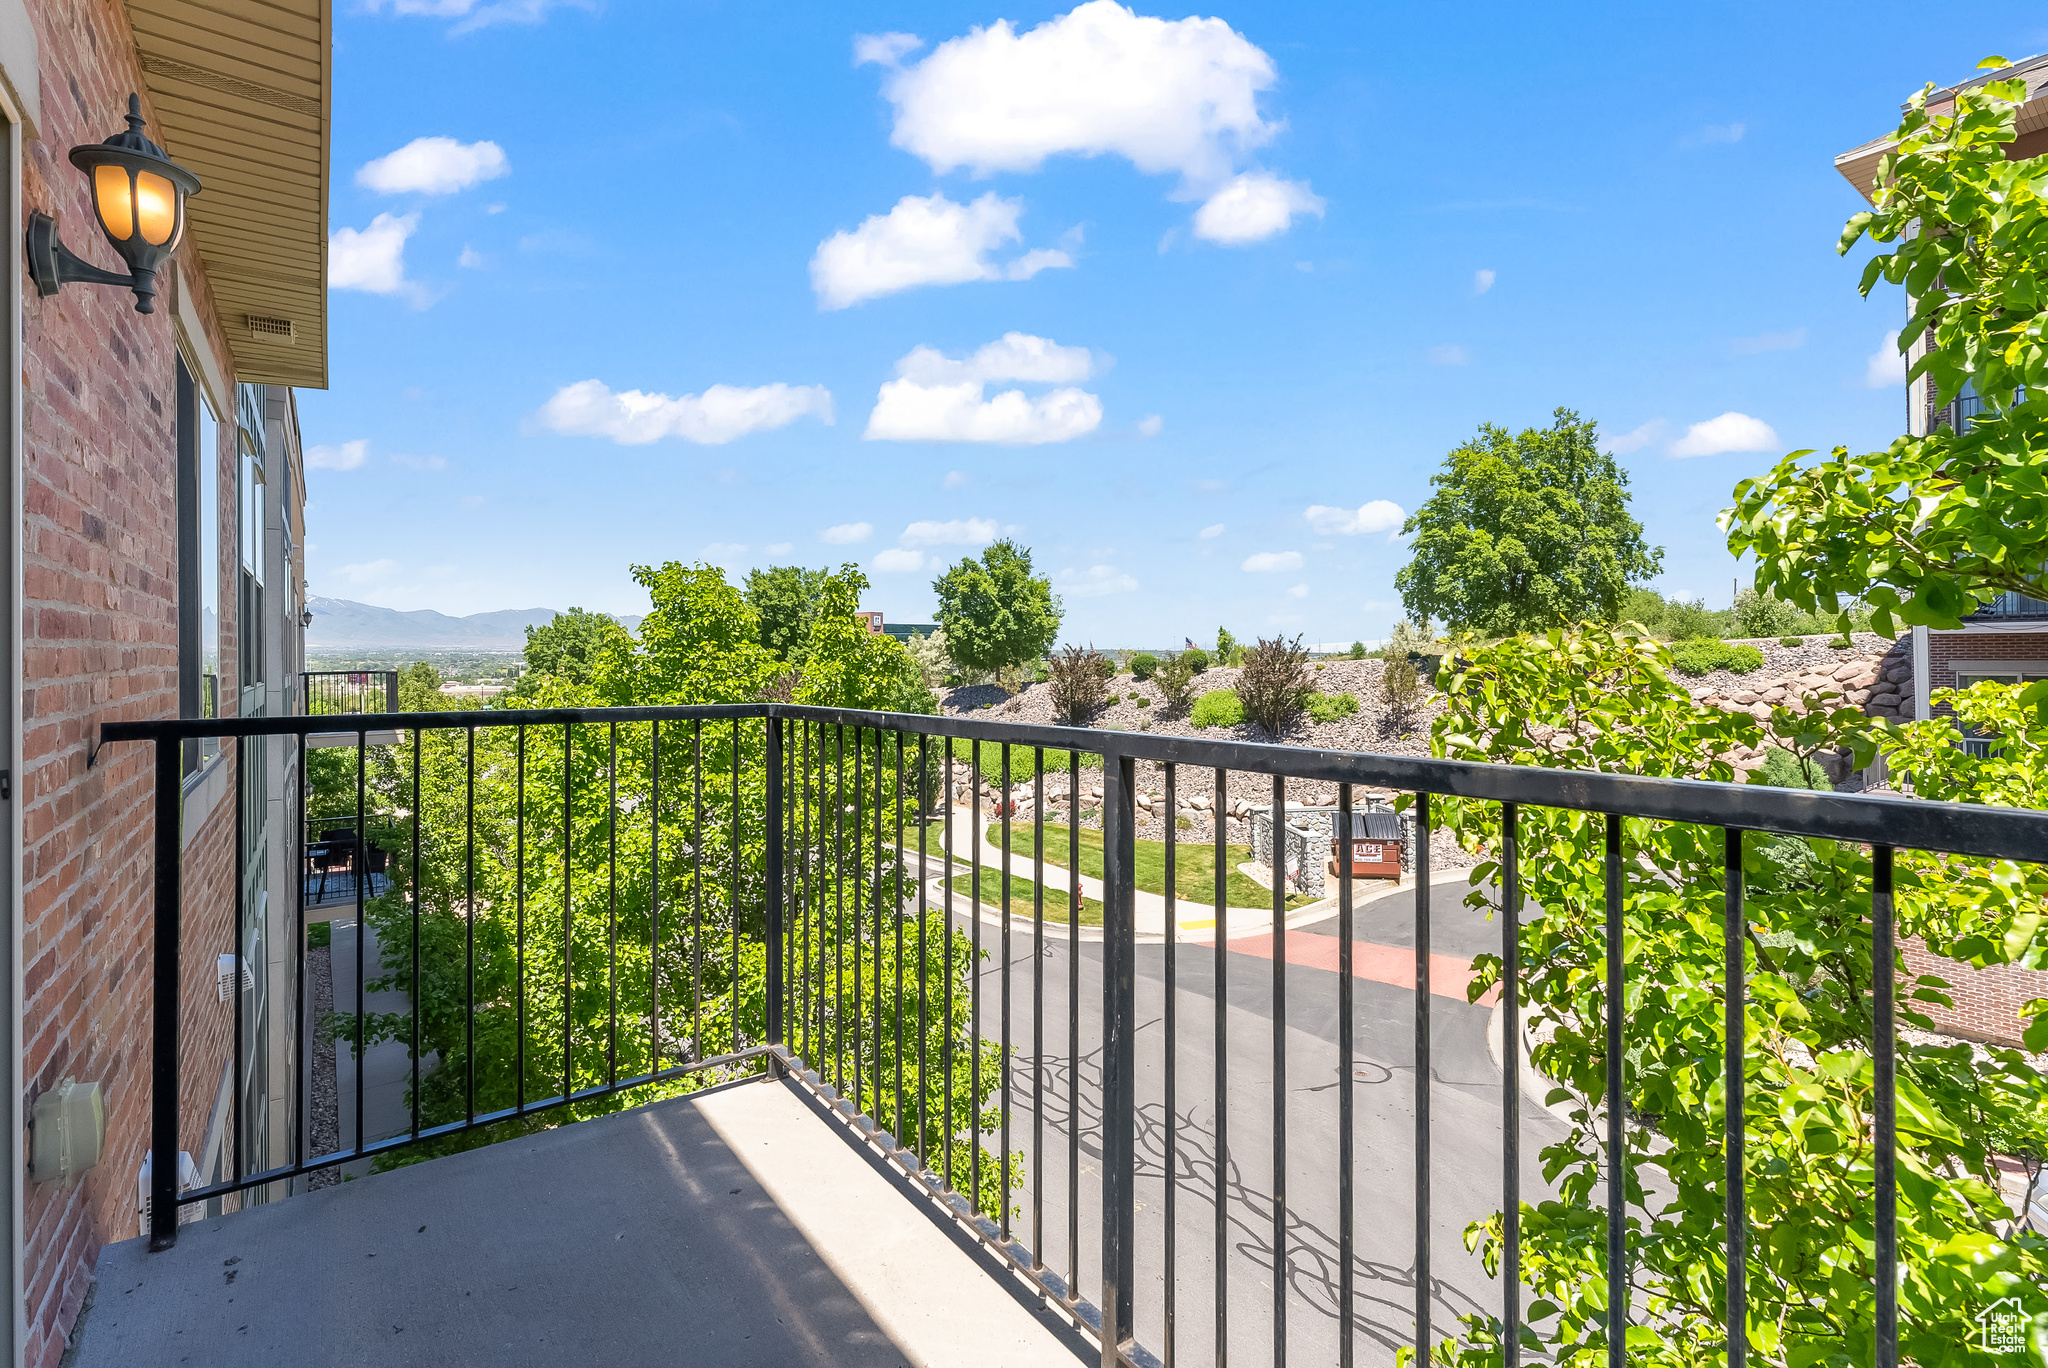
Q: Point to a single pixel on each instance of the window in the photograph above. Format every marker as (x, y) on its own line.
(249, 563)
(199, 557)
(1973, 742)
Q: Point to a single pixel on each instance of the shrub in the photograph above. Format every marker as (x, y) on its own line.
(1702, 654)
(1076, 685)
(1197, 659)
(1791, 641)
(1104, 666)
(1756, 615)
(1175, 679)
(1783, 769)
(1842, 643)
(1274, 684)
(1141, 701)
(1685, 621)
(1143, 665)
(1218, 708)
(1332, 707)
(319, 935)
(1400, 689)
(1112, 700)
(1358, 650)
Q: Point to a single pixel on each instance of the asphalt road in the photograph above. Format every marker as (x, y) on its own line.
(1465, 1142)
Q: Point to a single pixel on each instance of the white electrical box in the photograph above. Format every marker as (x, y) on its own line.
(188, 1177)
(70, 1122)
(224, 976)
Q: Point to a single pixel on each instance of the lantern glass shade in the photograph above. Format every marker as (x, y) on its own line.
(156, 208)
(114, 199)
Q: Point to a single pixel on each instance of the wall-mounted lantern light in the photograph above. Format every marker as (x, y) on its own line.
(138, 196)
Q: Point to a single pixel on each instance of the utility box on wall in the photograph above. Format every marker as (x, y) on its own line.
(70, 1129)
(1374, 849)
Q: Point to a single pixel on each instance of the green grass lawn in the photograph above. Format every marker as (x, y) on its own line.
(1194, 865)
(1022, 893)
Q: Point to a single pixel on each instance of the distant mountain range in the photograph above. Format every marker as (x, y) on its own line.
(341, 622)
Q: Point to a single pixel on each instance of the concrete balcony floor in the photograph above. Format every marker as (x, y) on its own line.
(734, 1227)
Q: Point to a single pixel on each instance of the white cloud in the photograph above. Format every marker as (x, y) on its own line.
(1168, 95)
(1213, 530)
(1151, 425)
(1272, 562)
(474, 14)
(471, 258)
(924, 240)
(1638, 438)
(1013, 356)
(1730, 432)
(847, 534)
(1298, 591)
(898, 561)
(1253, 207)
(954, 479)
(1712, 134)
(778, 548)
(884, 49)
(1770, 342)
(937, 398)
(419, 462)
(720, 414)
(371, 259)
(1096, 581)
(1482, 281)
(957, 532)
(1448, 354)
(1886, 366)
(1378, 515)
(347, 456)
(434, 166)
(367, 571)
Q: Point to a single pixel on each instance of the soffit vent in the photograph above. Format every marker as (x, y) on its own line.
(267, 329)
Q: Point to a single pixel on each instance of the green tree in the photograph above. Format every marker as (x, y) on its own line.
(786, 599)
(847, 665)
(570, 646)
(1525, 531)
(1598, 699)
(996, 614)
(667, 964)
(1931, 527)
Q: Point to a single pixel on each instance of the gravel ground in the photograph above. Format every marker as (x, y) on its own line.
(1371, 729)
(1783, 660)
(324, 1125)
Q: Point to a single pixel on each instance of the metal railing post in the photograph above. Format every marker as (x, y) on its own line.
(163, 1090)
(391, 691)
(773, 726)
(1119, 1056)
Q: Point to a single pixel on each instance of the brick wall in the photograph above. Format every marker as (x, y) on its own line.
(1987, 1001)
(99, 629)
(1945, 648)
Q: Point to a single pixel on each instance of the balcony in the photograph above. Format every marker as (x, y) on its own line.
(820, 1036)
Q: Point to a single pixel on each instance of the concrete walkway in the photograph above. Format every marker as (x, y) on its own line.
(738, 1228)
(1193, 921)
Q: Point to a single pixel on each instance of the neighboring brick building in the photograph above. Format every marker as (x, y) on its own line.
(156, 567)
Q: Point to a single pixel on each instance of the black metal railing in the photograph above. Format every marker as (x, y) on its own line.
(660, 892)
(327, 692)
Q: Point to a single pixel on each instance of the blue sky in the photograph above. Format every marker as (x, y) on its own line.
(1193, 307)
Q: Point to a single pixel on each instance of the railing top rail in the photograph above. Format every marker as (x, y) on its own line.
(1906, 823)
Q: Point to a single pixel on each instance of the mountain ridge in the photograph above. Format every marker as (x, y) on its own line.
(344, 622)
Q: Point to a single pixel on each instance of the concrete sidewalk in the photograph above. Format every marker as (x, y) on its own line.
(1194, 921)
